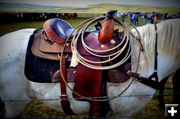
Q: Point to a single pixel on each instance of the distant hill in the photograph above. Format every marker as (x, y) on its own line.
(97, 8)
(24, 7)
(131, 8)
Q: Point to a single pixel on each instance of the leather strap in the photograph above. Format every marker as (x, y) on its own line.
(64, 101)
(156, 52)
(155, 75)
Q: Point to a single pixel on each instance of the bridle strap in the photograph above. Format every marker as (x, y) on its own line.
(149, 81)
(155, 75)
(156, 52)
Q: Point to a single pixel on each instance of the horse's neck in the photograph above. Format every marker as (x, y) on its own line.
(168, 48)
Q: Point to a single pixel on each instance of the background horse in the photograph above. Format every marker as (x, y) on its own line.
(15, 86)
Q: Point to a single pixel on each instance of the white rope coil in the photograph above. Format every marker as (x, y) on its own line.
(79, 31)
(105, 57)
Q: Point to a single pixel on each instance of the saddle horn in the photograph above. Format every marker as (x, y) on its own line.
(106, 33)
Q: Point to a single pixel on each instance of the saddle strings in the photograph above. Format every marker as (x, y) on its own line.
(80, 29)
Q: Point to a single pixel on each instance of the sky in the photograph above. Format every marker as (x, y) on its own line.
(84, 3)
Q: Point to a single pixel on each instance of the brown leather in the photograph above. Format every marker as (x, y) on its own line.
(70, 75)
(115, 75)
(107, 31)
(57, 30)
(48, 47)
(86, 84)
(64, 101)
(48, 50)
(119, 75)
(36, 51)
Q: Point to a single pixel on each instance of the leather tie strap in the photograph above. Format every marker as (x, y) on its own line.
(155, 75)
(156, 52)
(64, 101)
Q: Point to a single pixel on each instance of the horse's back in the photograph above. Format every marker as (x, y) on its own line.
(13, 43)
(12, 58)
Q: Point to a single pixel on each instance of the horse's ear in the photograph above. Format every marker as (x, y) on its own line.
(57, 30)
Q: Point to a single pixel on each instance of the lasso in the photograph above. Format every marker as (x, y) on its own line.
(78, 58)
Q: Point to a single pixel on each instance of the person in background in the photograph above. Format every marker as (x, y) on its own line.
(133, 18)
(137, 19)
(155, 19)
(165, 16)
(152, 19)
(130, 16)
(145, 18)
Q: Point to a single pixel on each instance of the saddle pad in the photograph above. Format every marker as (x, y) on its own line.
(87, 82)
(38, 69)
(41, 70)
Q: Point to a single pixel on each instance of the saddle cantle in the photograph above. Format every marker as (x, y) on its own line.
(57, 30)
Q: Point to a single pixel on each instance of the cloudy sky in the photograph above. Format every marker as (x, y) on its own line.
(84, 3)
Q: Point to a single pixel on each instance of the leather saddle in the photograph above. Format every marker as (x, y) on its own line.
(45, 46)
(48, 44)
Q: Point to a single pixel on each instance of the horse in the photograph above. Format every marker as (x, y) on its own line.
(15, 86)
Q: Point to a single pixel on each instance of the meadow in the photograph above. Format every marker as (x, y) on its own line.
(10, 27)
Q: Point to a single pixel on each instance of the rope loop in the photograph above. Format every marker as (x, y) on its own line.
(79, 32)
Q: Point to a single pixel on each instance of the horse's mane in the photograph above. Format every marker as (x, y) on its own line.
(168, 37)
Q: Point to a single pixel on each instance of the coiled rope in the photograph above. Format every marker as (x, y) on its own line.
(78, 33)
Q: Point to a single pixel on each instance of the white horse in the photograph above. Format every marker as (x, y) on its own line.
(15, 86)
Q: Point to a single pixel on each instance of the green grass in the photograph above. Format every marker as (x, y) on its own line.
(9, 27)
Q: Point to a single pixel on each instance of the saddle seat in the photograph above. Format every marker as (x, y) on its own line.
(57, 30)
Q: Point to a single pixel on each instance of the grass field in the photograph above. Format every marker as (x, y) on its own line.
(10, 27)
(37, 109)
